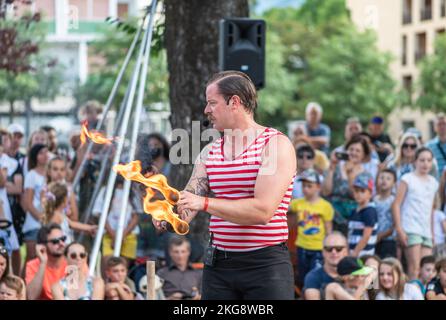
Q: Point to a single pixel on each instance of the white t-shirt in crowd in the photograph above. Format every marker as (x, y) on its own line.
(10, 164)
(35, 181)
(411, 292)
(416, 209)
(115, 208)
(439, 232)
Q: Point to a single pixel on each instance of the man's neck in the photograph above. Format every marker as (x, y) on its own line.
(54, 262)
(330, 270)
(442, 138)
(182, 267)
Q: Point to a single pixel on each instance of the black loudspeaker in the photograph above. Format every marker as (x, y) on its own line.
(242, 48)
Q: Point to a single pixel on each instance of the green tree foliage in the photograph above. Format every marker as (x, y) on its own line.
(110, 50)
(24, 72)
(432, 81)
(349, 77)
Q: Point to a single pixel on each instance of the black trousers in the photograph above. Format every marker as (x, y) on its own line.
(264, 274)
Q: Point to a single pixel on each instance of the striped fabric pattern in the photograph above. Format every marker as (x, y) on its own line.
(234, 180)
(359, 220)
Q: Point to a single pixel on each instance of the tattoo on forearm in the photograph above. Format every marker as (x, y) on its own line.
(198, 186)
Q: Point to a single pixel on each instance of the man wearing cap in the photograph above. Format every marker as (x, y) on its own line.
(438, 144)
(17, 132)
(355, 280)
(314, 220)
(379, 138)
(363, 223)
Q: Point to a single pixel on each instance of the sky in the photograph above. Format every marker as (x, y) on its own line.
(264, 5)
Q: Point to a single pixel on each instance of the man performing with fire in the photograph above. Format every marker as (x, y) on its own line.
(250, 173)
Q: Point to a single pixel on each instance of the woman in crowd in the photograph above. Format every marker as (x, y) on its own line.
(31, 202)
(404, 159)
(413, 210)
(337, 185)
(87, 288)
(37, 137)
(392, 282)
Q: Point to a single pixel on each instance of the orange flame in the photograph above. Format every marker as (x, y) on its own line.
(159, 209)
(95, 136)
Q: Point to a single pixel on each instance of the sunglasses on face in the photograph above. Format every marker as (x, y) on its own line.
(305, 156)
(336, 248)
(81, 255)
(57, 240)
(409, 145)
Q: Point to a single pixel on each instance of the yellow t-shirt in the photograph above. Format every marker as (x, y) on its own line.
(311, 218)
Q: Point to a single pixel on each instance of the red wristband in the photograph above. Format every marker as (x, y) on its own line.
(206, 204)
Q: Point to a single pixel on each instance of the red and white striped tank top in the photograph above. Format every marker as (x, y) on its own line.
(235, 179)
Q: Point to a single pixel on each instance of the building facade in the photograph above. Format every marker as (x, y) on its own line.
(408, 30)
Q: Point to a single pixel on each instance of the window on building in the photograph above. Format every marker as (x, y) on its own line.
(408, 86)
(123, 10)
(404, 51)
(443, 8)
(407, 11)
(432, 132)
(426, 10)
(406, 124)
(420, 46)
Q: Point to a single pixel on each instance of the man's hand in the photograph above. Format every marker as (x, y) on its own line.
(41, 253)
(190, 201)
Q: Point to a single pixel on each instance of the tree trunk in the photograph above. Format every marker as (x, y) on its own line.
(191, 38)
(11, 111)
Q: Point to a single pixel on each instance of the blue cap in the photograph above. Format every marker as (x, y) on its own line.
(310, 175)
(377, 120)
(364, 180)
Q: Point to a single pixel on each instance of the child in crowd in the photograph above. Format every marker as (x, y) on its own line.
(439, 234)
(386, 242)
(393, 284)
(117, 280)
(427, 273)
(57, 172)
(131, 229)
(354, 279)
(314, 222)
(54, 202)
(363, 223)
(12, 288)
(436, 288)
(413, 209)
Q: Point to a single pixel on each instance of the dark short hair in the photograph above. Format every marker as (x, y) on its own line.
(390, 171)
(235, 83)
(358, 138)
(115, 261)
(421, 150)
(440, 264)
(427, 260)
(47, 128)
(42, 236)
(177, 241)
